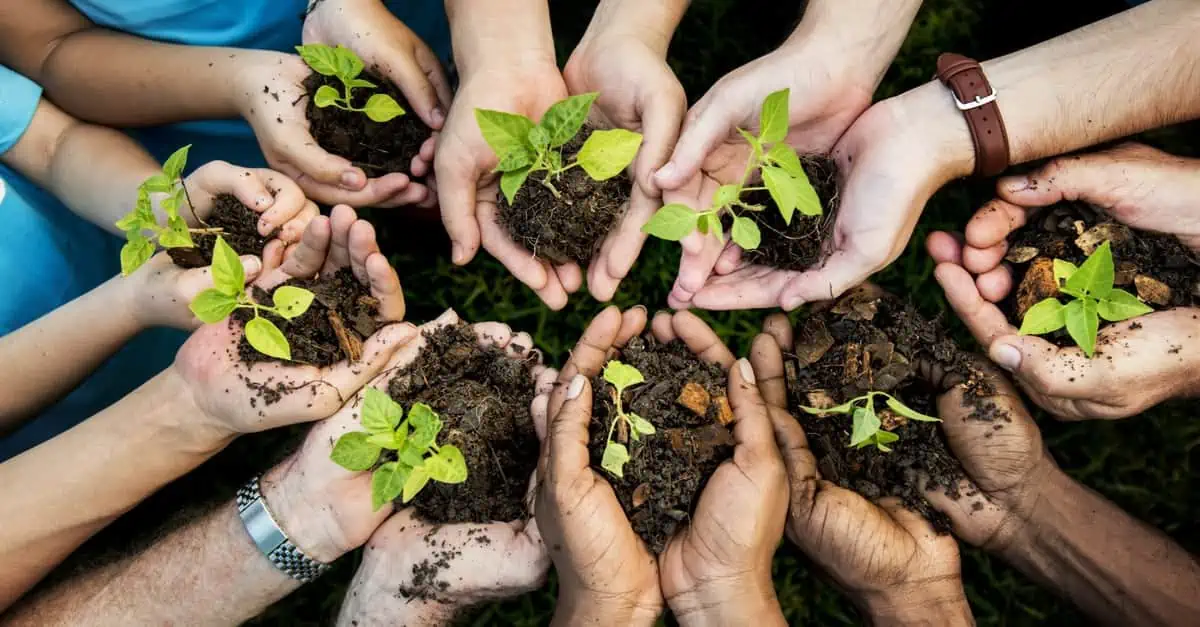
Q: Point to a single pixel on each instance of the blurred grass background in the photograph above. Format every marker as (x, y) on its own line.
(1145, 464)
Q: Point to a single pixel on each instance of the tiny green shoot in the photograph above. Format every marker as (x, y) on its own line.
(622, 377)
(782, 174)
(1093, 297)
(342, 63)
(867, 429)
(229, 293)
(525, 149)
(413, 456)
(139, 246)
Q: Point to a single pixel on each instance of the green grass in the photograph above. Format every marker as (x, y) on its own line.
(1144, 464)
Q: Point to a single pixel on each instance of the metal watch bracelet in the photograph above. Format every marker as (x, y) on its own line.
(270, 538)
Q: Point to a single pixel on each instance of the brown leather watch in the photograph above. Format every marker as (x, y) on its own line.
(976, 98)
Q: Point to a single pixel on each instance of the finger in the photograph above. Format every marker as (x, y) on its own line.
(432, 67)
(243, 183)
(752, 429)
(1096, 178)
(361, 245)
(982, 260)
(944, 247)
(590, 353)
(992, 224)
(495, 334)
(706, 126)
(288, 201)
(272, 256)
(767, 360)
(385, 287)
(520, 344)
(307, 257)
(293, 229)
(1050, 370)
(995, 285)
(915, 524)
(326, 170)
(528, 269)
(413, 81)
(633, 322)
(661, 327)
(985, 321)
(414, 195)
(661, 119)
(696, 262)
(729, 261)
(539, 409)
(341, 220)
(701, 339)
(545, 381)
(570, 276)
(966, 513)
(458, 179)
(192, 282)
(376, 192)
(798, 461)
(779, 327)
(841, 271)
(620, 248)
(568, 451)
(752, 287)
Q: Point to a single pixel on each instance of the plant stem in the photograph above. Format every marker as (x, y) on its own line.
(191, 207)
(550, 186)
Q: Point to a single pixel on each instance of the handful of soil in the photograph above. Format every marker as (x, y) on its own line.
(239, 229)
(377, 148)
(801, 245)
(571, 226)
(483, 397)
(872, 341)
(684, 398)
(1157, 267)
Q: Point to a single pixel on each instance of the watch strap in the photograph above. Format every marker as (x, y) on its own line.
(270, 538)
(976, 98)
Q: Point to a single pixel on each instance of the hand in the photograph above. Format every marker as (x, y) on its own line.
(158, 293)
(638, 92)
(720, 565)
(277, 198)
(886, 557)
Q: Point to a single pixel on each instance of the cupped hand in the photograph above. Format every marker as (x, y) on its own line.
(277, 199)
(159, 291)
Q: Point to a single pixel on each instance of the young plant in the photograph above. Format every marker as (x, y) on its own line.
(139, 246)
(782, 175)
(342, 63)
(867, 428)
(1093, 297)
(229, 293)
(622, 377)
(413, 440)
(526, 149)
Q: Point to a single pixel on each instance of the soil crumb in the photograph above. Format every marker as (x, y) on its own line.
(801, 245)
(239, 229)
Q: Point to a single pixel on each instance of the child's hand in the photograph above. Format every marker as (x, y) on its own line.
(158, 293)
(275, 197)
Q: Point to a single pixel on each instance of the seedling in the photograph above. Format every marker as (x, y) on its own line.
(525, 148)
(782, 175)
(868, 429)
(229, 293)
(622, 377)
(341, 62)
(139, 246)
(413, 441)
(1094, 297)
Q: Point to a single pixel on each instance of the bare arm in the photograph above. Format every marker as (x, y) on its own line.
(485, 30)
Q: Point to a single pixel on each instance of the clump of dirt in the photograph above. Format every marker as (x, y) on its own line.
(801, 245)
(377, 148)
(685, 399)
(482, 395)
(426, 583)
(1156, 267)
(239, 229)
(870, 341)
(571, 226)
(333, 329)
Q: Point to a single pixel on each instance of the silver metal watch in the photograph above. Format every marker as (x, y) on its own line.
(271, 540)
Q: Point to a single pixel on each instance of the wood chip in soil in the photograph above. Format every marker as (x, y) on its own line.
(239, 229)
(801, 245)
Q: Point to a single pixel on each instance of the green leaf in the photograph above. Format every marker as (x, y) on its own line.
(1121, 305)
(606, 154)
(673, 222)
(866, 425)
(353, 452)
(774, 119)
(904, 410)
(786, 158)
(425, 424)
(448, 466)
(355, 83)
(416, 482)
(615, 458)
(131, 222)
(326, 96)
(783, 190)
(387, 482)
(176, 235)
(393, 440)
(622, 376)
(726, 195)
(291, 302)
(882, 438)
(411, 454)
(173, 168)
(1095, 277)
(844, 408)
(1046, 316)
(511, 182)
(321, 58)
(515, 159)
(267, 339)
(807, 200)
(1083, 323)
(383, 108)
(227, 272)
(137, 251)
(158, 184)
(564, 118)
(746, 233)
(348, 63)
(555, 160)
(380, 414)
(640, 425)
(212, 306)
(539, 138)
(754, 143)
(503, 131)
(1063, 270)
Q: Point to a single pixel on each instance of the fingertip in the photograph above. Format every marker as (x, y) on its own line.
(995, 285)
(1006, 354)
(944, 247)
(352, 180)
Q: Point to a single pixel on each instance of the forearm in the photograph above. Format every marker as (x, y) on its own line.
(1117, 569)
(653, 23)
(487, 31)
(869, 32)
(65, 490)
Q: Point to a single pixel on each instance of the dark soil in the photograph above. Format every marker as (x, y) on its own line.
(239, 229)
(377, 148)
(333, 329)
(1137, 256)
(801, 245)
(483, 397)
(669, 469)
(872, 341)
(571, 227)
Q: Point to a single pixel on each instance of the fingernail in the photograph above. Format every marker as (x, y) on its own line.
(791, 302)
(437, 115)
(251, 264)
(457, 253)
(746, 370)
(666, 172)
(350, 180)
(1006, 356)
(1015, 183)
(576, 387)
(642, 307)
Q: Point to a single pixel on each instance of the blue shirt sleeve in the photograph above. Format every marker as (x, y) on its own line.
(19, 98)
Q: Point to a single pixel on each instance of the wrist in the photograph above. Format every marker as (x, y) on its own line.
(928, 118)
(184, 425)
(590, 608)
(299, 511)
(650, 23)
(726, 602)
(941, 603)
(483, 41)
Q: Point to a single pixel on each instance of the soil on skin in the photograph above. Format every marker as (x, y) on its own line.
(872, 341)
(333, 329)
(239, 229)
(801, 245)
(483, 397)
(1137, 255)
(667, 470)
(377, 148)
(571, 227)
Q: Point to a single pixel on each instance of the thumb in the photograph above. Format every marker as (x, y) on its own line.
(297, 148)
(568, 440)
(660, 126)
(1097, 178)
(1047, 369)
(706, 127)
